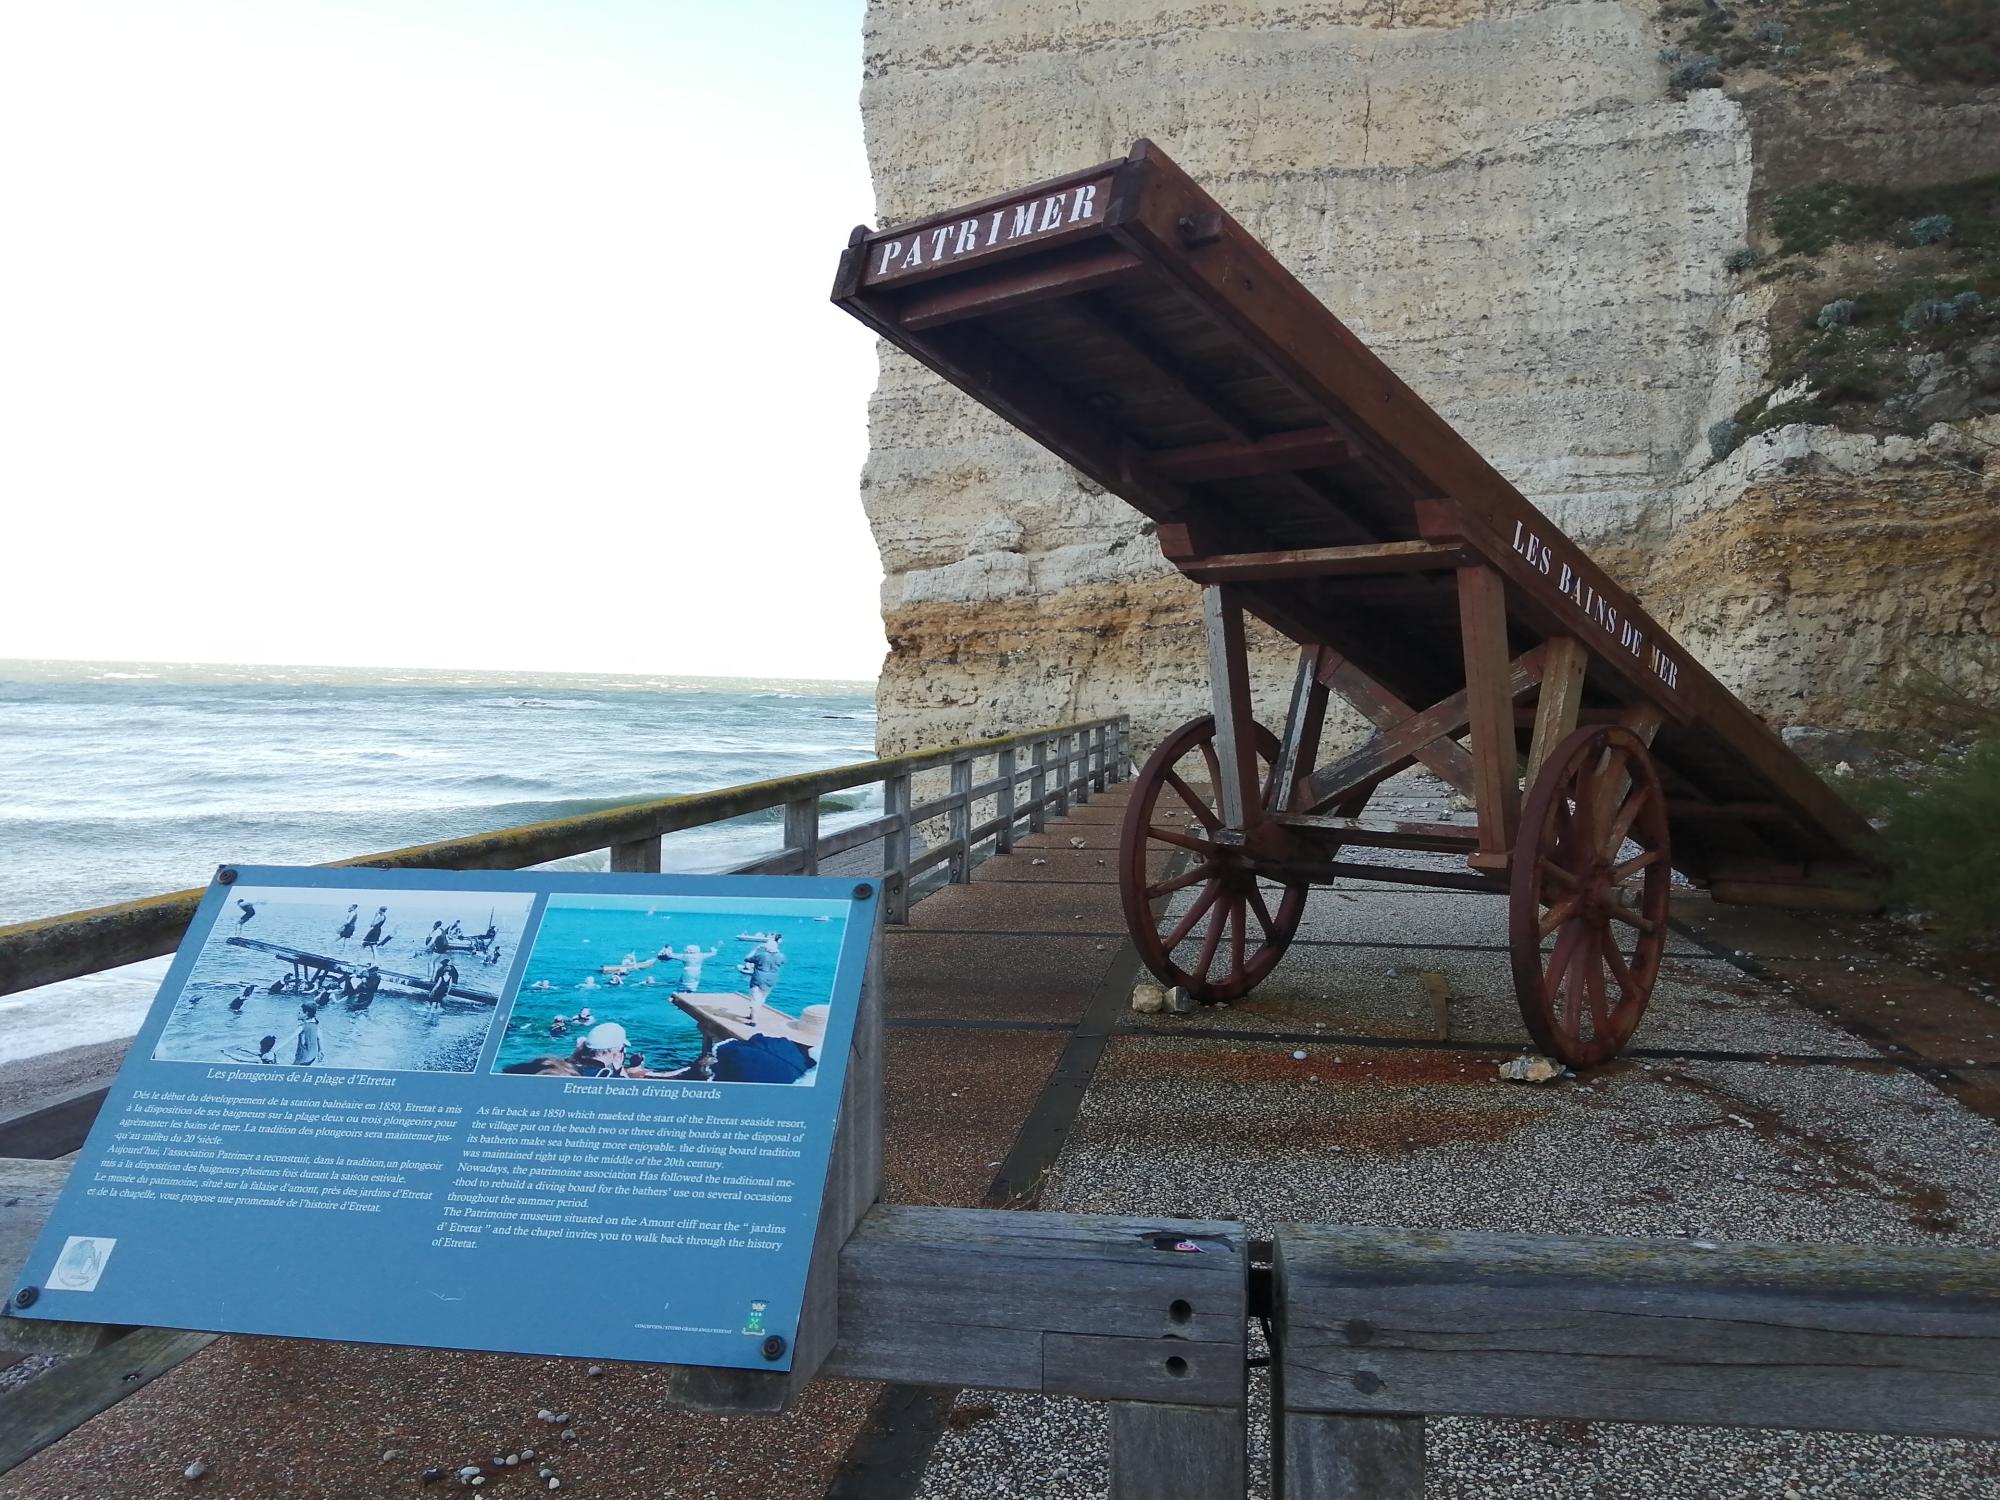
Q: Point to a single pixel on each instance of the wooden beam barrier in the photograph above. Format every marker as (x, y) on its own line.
(1385, 1323)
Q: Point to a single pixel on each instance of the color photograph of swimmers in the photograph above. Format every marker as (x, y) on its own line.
(389, 980)
(708, 991)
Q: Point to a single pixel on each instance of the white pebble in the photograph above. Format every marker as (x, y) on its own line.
(194, 1470)
(1299, 1056)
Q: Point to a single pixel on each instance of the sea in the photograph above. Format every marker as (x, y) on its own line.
(124, 780)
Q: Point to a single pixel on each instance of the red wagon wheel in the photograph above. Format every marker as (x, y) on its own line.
(1174, 809)
(1582, 919)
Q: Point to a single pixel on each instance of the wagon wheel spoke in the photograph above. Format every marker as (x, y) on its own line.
(1195, 805)
(1218, 920)
(1180, 840)
(1561, 957)
(1263, 913)
(1620, 971)
(1195, 876)
(1560, 913)
(1238, 920)
(1631, 866)
(1631, 918)
(1622, 824)
(1567, 989)
(1593, 982)
(1556, 873)
(1194, 915)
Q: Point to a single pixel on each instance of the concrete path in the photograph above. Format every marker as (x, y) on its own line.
(1017, 1073)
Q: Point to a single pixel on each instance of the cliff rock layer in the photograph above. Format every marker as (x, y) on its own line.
(1513, 201)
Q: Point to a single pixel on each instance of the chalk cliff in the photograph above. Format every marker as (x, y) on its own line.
(1537, 213)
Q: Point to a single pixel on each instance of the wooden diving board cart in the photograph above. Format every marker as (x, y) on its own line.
(1122, 319)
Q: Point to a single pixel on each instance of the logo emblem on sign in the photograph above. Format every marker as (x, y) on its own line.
(754, 1323)
(80, 1264)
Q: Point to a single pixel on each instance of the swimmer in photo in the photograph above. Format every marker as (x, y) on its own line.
(305, 1049)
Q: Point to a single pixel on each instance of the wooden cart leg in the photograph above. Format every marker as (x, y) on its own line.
(1482, 623)
(1303, 724)
(1644, 721)
(1559, 702)
(1229, 687)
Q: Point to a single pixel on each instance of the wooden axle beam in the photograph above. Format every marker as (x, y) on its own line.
(1444, 838)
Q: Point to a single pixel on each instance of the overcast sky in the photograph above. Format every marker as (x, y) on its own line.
(467, 333)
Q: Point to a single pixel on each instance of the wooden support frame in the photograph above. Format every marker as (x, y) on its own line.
(1489, 706)
(1408, 735)
(1560, 701)
(1381, 559)
(1281, 453)
(1229, 688)
(1304, 720)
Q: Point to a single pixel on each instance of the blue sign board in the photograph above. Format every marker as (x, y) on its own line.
(549, 1112)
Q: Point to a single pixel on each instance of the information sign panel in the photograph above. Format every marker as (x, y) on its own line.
(548, 1112)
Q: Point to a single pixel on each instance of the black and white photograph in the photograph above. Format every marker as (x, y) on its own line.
(393, 980)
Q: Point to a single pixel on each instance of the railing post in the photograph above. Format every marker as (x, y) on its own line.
(1081, 746)
(1324, 1457)
(1003, 802)
(1190, 1452)
(896, 849)
(802, 832)
(639, 857)
(1038, 786)
(1065, 764)
(1099, 740)
(958, 819)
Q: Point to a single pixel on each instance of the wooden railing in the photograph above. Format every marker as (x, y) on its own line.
(1024, 778)
(1374, 1329)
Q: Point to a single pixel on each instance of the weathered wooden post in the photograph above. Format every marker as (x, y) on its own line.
(958, 819)
(1003, 802)
(1038, 787)
(802, 832)
(639, 857)
(1063, 768)
(896, 848)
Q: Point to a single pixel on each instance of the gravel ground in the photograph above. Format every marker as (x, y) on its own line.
(1771, 1149)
